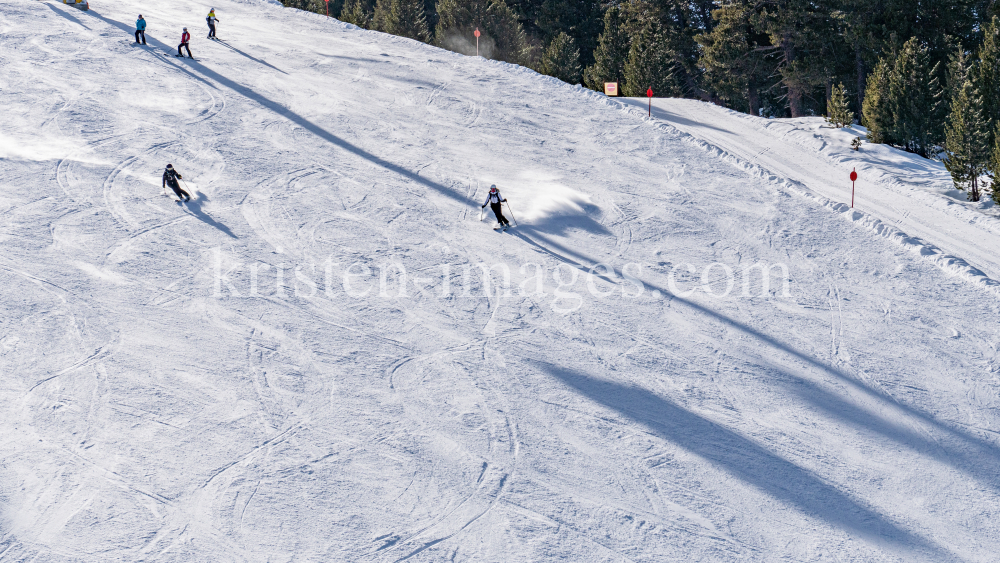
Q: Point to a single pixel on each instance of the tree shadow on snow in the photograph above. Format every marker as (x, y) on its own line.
(741, 458)
(668, 116)
(966, 452)
(252, 58)
(67, 15)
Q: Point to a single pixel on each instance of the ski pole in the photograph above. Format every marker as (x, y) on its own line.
(481, 211)
(511, 213)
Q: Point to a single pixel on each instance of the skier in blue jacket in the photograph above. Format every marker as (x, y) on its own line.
(140, 30)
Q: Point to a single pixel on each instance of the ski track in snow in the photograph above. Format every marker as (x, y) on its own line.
(149, 418)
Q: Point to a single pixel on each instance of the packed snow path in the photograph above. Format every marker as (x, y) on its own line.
(893, 186)
(249, 378)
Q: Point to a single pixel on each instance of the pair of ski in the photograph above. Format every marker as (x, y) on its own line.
(502, 229)
(167, 54)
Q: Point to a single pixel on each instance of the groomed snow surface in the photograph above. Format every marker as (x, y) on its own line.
(250, 377)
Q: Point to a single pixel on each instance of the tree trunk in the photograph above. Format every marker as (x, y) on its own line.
(794, 90)
(795, 101)
(753, 96)
(829, 93)
(862, 80)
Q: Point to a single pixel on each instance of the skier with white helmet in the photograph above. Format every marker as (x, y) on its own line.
(212, 20)
(185, 39)
(170, 177)
(495, 199)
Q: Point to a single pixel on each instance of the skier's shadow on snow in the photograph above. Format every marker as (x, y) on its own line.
(740, 457)
(195, 207)
(207, 73)
(966, 452)
(252, 58)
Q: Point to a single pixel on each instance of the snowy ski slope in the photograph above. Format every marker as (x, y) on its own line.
(250, 377)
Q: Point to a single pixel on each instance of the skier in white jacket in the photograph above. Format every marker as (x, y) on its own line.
(494, 199)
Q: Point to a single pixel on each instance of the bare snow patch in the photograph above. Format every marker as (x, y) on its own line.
(102, 274)
(543, 201)
(36, 148)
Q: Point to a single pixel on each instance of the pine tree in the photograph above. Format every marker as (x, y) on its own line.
(875, 110)
(799, 30)
(994, 166)
(357, 12)
(987, 75)
(958, 74)
(650, 65)
(966, 141)
(904, 102)
(611, 53)
(317, 6)
(502, 38)
(546, 19)
(734, 56)
(676, 24)
(915, 99)
(562, 59)
(401, 17)
(838, 111)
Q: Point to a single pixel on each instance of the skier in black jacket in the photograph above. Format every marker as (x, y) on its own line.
(494, 199)
(170, 177)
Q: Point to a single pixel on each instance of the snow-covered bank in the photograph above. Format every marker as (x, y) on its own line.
(252, 377)
(813, 160)
(903, 197)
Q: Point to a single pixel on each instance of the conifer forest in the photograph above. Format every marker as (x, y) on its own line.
(921, 75)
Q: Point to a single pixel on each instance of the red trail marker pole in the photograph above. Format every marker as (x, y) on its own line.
(649, 94)
(476, 33)
(854, 178)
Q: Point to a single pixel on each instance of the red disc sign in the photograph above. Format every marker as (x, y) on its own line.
(477, 32)
(649, 93)
(854, 175)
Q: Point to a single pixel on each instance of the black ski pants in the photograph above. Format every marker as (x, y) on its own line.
(179, 54)
(498, 211)
(180, 193)
(211, 30)
(140, 33)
